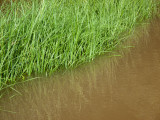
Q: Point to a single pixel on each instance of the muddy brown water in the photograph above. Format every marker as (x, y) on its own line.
(116, 88)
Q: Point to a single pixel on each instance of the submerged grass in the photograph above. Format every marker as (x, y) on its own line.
(40, 37)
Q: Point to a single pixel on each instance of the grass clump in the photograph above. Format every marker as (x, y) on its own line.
(42, 36)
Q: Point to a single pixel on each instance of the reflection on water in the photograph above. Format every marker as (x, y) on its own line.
(126, 88)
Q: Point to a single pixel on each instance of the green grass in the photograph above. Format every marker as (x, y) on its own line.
(42, 37)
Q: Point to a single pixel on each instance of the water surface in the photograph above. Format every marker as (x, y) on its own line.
(117, 88)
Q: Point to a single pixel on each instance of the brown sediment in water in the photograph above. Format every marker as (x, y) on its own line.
(117, 88)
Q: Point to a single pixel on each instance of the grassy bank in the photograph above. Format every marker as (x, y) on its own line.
(42, 37)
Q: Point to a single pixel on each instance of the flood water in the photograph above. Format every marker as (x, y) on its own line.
(116, 88)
